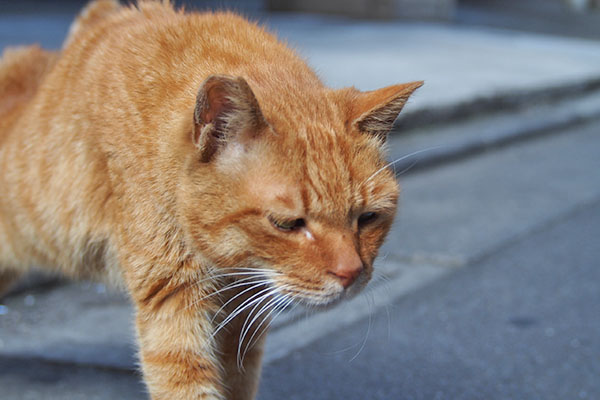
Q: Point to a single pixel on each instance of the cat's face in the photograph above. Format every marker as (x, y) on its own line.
(305, 205)
(320, 214)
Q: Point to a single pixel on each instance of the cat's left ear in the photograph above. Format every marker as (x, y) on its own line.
(226, 110)
(374, 112)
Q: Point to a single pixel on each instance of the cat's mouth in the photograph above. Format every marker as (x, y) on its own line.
(327, 295)
(312, 298)
(265, 292)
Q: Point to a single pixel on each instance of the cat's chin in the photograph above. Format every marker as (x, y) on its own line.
(330, 300)
(326, 305)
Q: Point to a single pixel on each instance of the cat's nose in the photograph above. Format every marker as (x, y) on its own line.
(349, 266)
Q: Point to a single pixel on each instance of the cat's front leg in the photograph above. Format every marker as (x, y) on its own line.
(242, 362)
(177, 351)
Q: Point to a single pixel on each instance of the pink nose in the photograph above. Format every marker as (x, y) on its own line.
(348, 268)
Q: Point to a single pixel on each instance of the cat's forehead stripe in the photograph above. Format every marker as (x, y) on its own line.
(285, 200)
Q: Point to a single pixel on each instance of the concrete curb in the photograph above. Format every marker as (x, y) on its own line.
(512, 100)
(494, 123)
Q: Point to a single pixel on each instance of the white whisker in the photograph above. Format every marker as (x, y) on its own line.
(405, 170)
(389, 323)
(233, 274)
(233, 285)
(273, 304)
(248, 322)
(286, 301)
(364, 343)
(245, 305)
(414, 153)
(238, 295)
(250, 318)
(266, 270)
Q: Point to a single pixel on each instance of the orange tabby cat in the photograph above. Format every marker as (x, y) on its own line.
(202, 163)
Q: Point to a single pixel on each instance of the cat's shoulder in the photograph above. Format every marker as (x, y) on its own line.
(22, 69)
(91, 15)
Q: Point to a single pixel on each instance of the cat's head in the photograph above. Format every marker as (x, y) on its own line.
(298, 196)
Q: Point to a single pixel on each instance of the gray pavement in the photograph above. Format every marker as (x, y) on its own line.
(475, 274)
(26, 379)
(541, 16)
(466, 210)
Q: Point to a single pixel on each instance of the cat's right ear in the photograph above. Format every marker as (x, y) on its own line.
(374, 112)
(226, 109)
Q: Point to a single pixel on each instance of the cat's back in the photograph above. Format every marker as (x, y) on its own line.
(132, 61)
(140, 68)
(155, 37)
(22, 70)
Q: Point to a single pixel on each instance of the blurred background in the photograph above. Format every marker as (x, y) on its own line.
(488, 286)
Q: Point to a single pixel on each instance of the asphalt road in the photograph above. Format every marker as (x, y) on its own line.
(522, 324)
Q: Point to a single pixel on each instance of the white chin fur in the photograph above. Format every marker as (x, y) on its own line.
(331, 294)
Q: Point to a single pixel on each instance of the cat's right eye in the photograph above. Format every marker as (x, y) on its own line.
(367, 218)
(288, 225)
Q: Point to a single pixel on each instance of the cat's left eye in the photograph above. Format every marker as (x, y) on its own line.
(367, 218)
(288, 225)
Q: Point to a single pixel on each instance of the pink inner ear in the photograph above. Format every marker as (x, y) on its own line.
(225, 109)
(217, 103)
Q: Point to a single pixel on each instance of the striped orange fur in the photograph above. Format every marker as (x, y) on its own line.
(199, 163)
